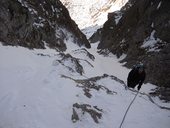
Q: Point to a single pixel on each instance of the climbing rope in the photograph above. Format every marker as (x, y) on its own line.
(128, 109)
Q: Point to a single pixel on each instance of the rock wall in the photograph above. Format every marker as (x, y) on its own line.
(141, 29)
(33, 24)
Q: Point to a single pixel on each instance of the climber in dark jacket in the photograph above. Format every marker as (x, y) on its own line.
(136, 76)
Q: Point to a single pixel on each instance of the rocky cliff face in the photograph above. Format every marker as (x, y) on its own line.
(141, 29)
(34, 24)
(91, 12)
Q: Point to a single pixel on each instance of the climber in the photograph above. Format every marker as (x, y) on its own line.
(136, 76)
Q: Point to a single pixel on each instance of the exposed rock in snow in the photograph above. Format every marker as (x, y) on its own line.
(69, 62)
(83, 52)
(94, 112)
(89, 84)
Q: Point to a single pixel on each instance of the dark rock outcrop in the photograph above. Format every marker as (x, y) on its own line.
(70, 62)
(91, 84)
(141, 30)
(96, 36)
(93, 111)
(34, 24)
(74, 116)
(85, 52)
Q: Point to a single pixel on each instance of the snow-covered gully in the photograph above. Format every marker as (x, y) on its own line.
(76, 89)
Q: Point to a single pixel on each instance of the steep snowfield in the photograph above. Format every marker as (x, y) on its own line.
(33, 93)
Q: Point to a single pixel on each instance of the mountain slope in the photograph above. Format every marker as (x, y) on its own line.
(34, 24)
(44, 88)
(94, 12)
(141, 31)
(68, 88)
(91, 14)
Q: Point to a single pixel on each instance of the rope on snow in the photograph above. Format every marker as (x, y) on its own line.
(128, 109)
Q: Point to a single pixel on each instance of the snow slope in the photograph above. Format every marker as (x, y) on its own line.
(33, 93)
